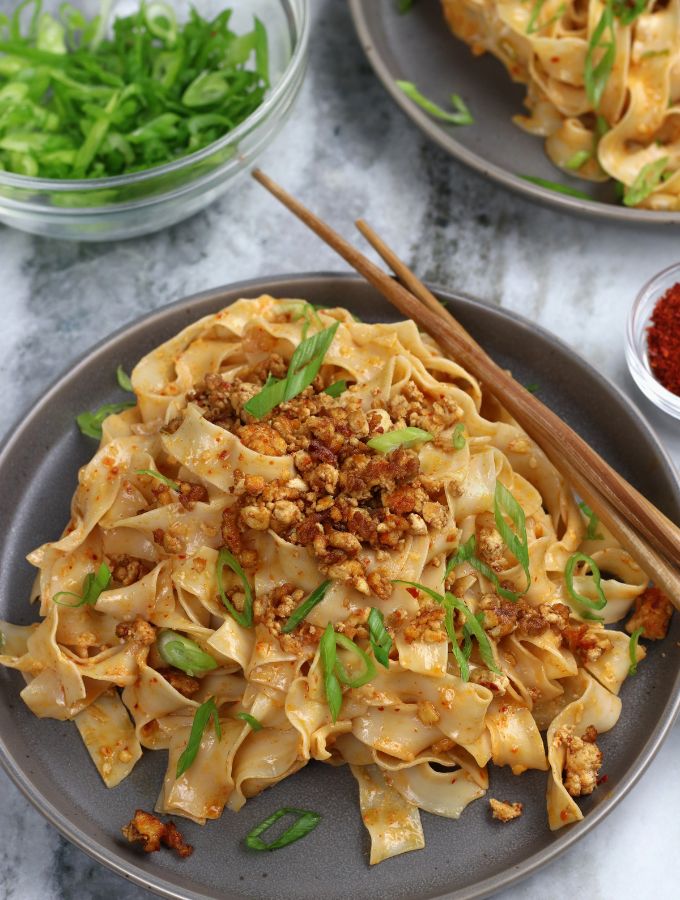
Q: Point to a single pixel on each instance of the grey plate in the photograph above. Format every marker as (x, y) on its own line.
(48, 762)
(419, 47)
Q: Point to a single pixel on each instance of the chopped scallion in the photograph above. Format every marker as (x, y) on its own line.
(254, 723)
(402, 437)
(381, 642)
(555, 186)
(573, 560)
(337, 388)
(593, 522)
(93, 585)
(516, 542)
(596, 73)
(225, 558)
(168, 482)
(458, 436)
(204, 713)
(632, 650)
(123, 380)
(182, 653)
(462, 116)
(466, 553)
(305, 822)
(649, 177)
(306, 607)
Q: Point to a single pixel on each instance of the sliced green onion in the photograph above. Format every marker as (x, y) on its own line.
(305, 822)
(458, 436)
(596, 74)
(466, 553)
(90, 423)
(449, 602)
(303, 369)
(555, 186)
(462, 116)
(381, 642)
(593, 522)
(93, 585)
(328, 656)
(179, 651)
(648, 178)
(204, 713)
(123, 380)
(652, 54)
(632, 650)
(402, 437)
(337, 388)
(517, 544)
(254, 723)
(365, 675)
(627, 11)
(601, 601)
(580, 158)
(404, 6)
(532, 25)
(304, 609)
(245, 618)
(533, 388)
(168, 482)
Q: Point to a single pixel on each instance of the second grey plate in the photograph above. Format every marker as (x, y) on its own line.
(472, 857)
(419, 47)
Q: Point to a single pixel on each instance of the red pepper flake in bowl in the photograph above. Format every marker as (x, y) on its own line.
(663, 340)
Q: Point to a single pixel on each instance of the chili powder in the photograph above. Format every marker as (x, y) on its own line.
(663, 340)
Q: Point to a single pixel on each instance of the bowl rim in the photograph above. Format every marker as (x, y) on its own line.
(276, 282)
(448, 142)
(638, 362)
(302, 21)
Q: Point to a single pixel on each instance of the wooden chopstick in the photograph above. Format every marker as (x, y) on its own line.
(547, 427)
(651, 561)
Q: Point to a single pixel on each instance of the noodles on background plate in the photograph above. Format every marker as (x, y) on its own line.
(315, 538)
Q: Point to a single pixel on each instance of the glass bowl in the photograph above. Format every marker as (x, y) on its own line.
(636, 341)
(124, 206)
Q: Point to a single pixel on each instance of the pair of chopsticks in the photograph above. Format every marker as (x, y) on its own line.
(642, 529)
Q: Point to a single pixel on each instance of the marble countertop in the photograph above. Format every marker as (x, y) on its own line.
(349, 151)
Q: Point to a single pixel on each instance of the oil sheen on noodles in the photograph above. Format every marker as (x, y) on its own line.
(603, 83)
(299, 497)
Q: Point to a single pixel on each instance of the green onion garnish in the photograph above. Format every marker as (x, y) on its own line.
(532, 25)
(89, 98)
(593, 522)
(182, 653)
(580, 158)
(555, 186)
(90, 423)
(601, 601)
(596, 74)
(632, 650)
(649, 177)
(204, 713)
(123, 380)
(626, 11)
(254, 723)
(466, 553)
(168, 482)
(404, 6)
(365, 675)
(402, 437)
(462, 116)
(93, 585)
(305, 822)
(245, 618)
(381, 642)
(306, 607)
(337, 388)
(303, 369)
(458, 436)
(328, 656)
(533, 388)
(517, 544)
(449, 602)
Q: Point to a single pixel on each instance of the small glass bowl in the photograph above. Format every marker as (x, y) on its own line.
(125, 206)
(636, 341)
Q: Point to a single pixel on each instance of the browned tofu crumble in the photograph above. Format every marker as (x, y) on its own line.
(652, 613)
(147, 830)
(582, 762)
(505, 812)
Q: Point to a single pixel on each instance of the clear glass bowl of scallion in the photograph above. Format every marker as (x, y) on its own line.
(120, 117)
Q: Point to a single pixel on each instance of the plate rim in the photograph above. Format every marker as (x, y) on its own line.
(526, 867)
(594, 209)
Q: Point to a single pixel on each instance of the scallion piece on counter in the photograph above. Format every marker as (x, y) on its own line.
(632, 650)
(402, 437)
(305, 821)
(254, 723)
(225, 558)
(573, 560)
(381, 642)
(93, 584)
(462, 116)
(504, 504)
(182, 653)
(306, 607)
(648, 178)
(168, 482)
(302, 370)
(205, 712)
(458, 437)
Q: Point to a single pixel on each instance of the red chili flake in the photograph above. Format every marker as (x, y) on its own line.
(603, 779)
(663, 340)
(413, 592)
